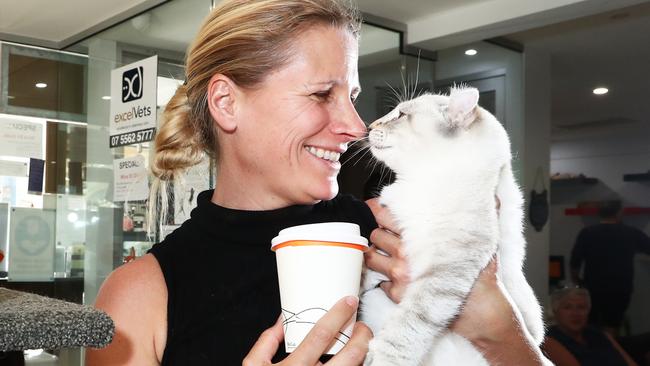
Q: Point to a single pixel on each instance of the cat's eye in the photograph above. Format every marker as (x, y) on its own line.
(401, 114)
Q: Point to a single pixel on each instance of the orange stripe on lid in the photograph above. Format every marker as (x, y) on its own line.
(303, 243)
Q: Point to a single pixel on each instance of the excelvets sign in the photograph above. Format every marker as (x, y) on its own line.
(133, 102)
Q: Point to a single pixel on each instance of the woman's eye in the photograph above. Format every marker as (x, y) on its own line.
(322, 95)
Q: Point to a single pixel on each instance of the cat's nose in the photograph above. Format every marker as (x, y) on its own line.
(374, 124)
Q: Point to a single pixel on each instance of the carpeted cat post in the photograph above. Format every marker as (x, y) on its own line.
(29, 321)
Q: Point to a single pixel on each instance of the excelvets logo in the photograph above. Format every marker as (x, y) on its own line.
(132, 84)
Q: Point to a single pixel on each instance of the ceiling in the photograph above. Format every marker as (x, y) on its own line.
(608, 49)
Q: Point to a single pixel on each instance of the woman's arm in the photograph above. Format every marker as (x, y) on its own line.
(558, 353)
(628, 358)
(487, 319)
(135, 297)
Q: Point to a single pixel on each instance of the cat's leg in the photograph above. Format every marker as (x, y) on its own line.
(375, 308)
(524, 300)
(430, 303)
(512, 247)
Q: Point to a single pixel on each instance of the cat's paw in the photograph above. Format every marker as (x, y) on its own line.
(377, 356)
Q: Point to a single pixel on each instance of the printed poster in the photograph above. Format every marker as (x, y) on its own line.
(21, 138)
(31, 244)
(131, 182)
(133, 102)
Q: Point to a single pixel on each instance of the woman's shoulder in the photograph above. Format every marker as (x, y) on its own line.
(139, 335)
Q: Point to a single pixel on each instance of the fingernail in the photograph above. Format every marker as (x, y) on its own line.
(352, 300)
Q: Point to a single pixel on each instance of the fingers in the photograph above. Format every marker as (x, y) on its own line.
(355, 350)
(382, 215)
(394, 267)
(266, 346)
(394, 290)
(386, 241)
(321, 336)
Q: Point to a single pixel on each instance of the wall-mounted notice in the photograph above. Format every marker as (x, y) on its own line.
(133, 102)
(4, 231)
(131, 181)
(13, 168)
(31, 244)
(21, 138)
(196, 180)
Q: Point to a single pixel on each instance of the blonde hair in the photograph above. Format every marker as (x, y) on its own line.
(244, 40)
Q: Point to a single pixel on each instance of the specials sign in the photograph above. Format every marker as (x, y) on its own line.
(133, 102)
(131, 182)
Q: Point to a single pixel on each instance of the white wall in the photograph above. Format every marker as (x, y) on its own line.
(536, 155)
(605, 153)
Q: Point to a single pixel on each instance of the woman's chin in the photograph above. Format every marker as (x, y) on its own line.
(327, 191)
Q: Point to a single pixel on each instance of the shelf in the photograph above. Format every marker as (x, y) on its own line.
(640, 177)
(636, 210)
(593, 211)
(576, 180)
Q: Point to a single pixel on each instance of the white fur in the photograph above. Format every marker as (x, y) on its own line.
(451, 158)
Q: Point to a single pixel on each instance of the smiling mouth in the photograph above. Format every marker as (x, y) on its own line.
(328, 155)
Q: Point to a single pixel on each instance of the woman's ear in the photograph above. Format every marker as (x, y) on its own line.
(221, 101)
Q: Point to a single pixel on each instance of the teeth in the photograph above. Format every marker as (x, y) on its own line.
(323, 154)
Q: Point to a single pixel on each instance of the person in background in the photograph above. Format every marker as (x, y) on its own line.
(571, 341)
(607, 252)
(269, 94)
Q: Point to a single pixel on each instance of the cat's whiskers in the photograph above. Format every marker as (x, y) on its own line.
(363, 147)
(396, 95)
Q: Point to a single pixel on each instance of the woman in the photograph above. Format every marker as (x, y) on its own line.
(269, 94)
(571, 342)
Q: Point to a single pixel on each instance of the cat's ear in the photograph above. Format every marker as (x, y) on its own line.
(462, 105)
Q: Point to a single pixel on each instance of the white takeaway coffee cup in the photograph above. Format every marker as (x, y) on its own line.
(318, 264)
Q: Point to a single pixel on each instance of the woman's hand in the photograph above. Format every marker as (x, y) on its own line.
(387, 239)
(317, 341)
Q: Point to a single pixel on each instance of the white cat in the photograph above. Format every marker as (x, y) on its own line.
(451, 158)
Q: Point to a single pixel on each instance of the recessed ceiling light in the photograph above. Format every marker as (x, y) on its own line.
(471, 52)
(40, 85)
(601, 91)
(106, 97)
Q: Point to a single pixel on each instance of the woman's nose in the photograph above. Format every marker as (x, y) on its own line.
(349, 122)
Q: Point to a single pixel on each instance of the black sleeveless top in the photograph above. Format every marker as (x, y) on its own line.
(221, 276)
(597, 350)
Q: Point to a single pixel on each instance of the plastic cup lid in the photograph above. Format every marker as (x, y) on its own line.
(337, 232)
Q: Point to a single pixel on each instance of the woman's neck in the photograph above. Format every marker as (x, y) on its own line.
(239, 194)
